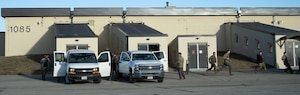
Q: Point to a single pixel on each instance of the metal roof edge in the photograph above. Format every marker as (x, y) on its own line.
(33, 12)
(114, 11)
(270, 11)
(192, 11)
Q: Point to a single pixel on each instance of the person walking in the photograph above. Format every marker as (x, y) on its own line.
(45, 66)
(114, 65)
(227, 62)
(212, 60)
(286, 63)
(260, 62)
(180, 66)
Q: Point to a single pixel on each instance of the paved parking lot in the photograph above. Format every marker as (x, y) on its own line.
(244, 82)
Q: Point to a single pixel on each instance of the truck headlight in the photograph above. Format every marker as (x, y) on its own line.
(136, 67)
(96, 69)
(71, 69)
(161, 67)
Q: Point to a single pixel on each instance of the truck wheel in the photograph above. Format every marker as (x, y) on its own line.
(131, 79)
(67, 81)
(97, 81)
(160, 80)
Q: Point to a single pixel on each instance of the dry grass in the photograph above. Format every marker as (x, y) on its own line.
(20, 65)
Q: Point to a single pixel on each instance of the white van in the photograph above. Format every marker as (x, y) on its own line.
(81, 65)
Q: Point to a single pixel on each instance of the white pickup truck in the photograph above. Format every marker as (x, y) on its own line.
(141, 65)
(81, 65)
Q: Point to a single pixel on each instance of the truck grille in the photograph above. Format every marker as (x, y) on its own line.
(149, 67)
(84, 70)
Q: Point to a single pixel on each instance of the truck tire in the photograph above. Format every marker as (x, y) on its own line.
(131, 78)
(160, 80)
(97, 81)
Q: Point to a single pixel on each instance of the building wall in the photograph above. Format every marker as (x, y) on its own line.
(2, 43)
(118, 41)
(279, 53)
(61, 43)
(266, 43)
(183, 46)
(184, 25)
(30, 35)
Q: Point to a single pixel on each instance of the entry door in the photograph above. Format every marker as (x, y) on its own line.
(59, 69)
(197, 55)
(104, 61)
(293, 51)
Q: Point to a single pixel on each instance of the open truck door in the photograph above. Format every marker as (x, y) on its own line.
(161, 56)
(59, 69)
(104, 62)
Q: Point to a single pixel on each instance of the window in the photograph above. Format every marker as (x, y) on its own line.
(236, 38)
(103, 58)
(246, 41)
(148, 47)
(270, 47)
(257, 44)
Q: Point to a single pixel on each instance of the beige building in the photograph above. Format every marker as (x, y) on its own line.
(137, 36)
(75, 36)
(32, 30)
(194, 48)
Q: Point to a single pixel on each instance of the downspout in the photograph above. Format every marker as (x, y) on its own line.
(124, 16)
(238, 15)
(71, 16)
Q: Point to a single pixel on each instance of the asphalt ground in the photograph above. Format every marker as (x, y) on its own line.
(243, 82)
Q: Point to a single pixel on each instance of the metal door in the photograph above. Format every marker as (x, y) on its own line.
(104, 61)
(197, 55)
(293, 52)
(59, 69)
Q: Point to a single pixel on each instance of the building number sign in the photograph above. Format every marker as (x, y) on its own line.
(20, 28)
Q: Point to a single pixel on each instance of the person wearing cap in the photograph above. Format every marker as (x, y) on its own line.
(180, 66)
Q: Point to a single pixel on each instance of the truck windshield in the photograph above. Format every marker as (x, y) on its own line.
(143, 57)
(82, 58)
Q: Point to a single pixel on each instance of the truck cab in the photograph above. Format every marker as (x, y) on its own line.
(141, 65)
(81, 65)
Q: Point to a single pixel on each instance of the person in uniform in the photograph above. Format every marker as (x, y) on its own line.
(45, 66)
(114, 66)
(260, 62)
(180, 66)
(212, 60)
(227, 62)
(286, 63)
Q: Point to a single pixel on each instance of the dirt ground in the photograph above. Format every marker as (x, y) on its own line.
(25, 65)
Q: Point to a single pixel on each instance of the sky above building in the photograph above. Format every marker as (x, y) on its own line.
(140, 3)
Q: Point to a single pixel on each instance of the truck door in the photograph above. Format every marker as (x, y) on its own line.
(104, 61)
(162, 58)
(59, 69)
(124, 63)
